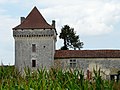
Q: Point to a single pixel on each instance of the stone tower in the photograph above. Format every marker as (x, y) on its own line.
(34, 42)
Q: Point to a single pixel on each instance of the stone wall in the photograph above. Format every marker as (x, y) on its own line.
(107, 65)
(45, 48)
(33, 33)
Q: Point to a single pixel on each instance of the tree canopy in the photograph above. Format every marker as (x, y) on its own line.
(71, 40)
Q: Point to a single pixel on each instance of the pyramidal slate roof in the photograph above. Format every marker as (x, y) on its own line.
(59, 54)
(34, 20)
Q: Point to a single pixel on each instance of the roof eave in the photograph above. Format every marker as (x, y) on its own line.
(82, 57)
(31, 28)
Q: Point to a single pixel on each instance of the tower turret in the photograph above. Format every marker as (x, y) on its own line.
(34, 42)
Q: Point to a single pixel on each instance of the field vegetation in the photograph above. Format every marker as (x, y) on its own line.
(54, 79)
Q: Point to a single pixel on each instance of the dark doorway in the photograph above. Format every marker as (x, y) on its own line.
(33, 63)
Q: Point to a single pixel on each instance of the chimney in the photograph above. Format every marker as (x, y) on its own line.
(53, 23)
(22, 19)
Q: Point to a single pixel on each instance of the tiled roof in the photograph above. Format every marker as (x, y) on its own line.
(87, 54)
(34, 21)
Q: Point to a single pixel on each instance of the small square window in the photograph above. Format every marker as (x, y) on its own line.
(72, 63)
(74, 60)
(33, 47)
(33, 63)
(70, 60)
(43, 46)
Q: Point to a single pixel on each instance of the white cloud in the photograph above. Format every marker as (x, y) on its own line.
(6, 24)
(94, 17)
(88, 17)
(9, 1)
(6, 39)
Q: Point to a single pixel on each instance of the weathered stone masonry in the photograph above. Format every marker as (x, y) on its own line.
(35, 48)
(34, 42)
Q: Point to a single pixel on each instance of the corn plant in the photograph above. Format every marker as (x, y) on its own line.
(54, 79)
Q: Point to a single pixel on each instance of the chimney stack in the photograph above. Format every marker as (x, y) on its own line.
(53, 23)
(22, 19)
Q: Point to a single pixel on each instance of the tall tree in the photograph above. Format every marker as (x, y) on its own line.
(71, 40)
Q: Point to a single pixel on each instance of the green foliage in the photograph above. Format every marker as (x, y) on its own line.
(54, 79)
(71, 40)
(64, 48)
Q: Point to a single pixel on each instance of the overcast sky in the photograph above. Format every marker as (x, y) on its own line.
(97, 22)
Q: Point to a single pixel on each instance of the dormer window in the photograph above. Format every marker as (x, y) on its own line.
(33, 47)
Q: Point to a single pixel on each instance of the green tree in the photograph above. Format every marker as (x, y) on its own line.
(71, 40)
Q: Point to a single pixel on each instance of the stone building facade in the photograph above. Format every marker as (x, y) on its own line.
(35, 48)
(34, 42)
(106, 60)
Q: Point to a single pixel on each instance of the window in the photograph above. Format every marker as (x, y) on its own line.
(43, 46)
(33, 63)
(72, 63)
(33, 47)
